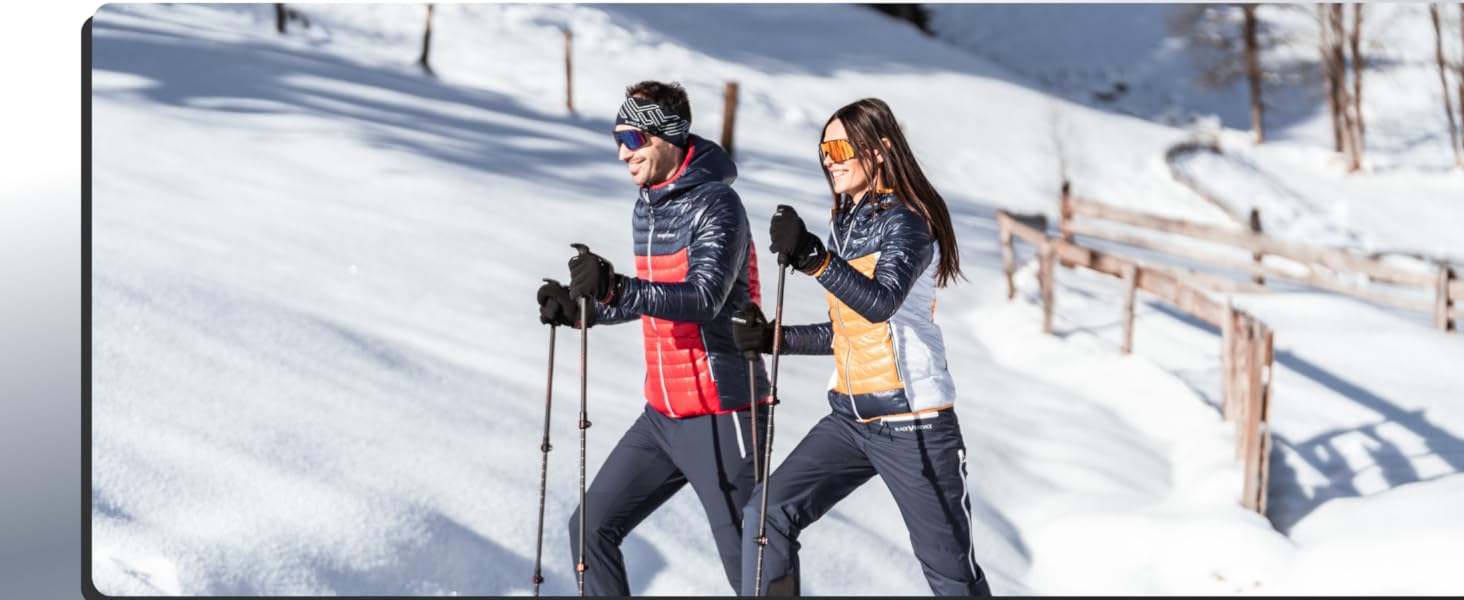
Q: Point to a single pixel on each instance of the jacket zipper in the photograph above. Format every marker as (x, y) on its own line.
(651, 273)
(839, 314)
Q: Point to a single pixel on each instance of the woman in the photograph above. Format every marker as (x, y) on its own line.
(890, 245)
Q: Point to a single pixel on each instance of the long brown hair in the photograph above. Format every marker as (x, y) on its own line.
(870, 124)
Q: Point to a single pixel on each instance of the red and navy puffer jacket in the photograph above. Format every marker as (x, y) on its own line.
(694, 265)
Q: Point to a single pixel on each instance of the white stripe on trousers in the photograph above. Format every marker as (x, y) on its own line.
(970, 527)
(741, 451)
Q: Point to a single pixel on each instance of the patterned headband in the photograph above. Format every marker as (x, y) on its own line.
(649, 116)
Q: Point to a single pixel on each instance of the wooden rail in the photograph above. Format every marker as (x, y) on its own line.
(1322, 265)
(1336, 260)
(1246, 343)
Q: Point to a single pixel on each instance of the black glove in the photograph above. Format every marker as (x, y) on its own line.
(752, 333)
(593, 277)
(557, 307)
(793, 243)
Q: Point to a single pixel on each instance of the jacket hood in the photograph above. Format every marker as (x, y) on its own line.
(706, 162)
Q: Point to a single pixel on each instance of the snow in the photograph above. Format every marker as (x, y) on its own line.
(317, 370)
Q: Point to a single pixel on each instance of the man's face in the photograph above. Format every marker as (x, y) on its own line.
(652, 163)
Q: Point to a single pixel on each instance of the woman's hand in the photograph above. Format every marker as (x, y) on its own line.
(793, 243)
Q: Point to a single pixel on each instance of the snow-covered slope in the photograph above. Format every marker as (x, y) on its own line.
(318, 369)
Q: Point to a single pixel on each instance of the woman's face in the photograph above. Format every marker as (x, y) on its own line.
(849, 176)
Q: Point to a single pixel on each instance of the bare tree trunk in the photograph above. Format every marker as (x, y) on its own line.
(1461, 69)
(1433, 12)
(568, 69)
(427, 42)
(1358, 66)
(1329, 74)
(1354, 107)
(280, 17)
(1253, 72)
(1338, 38)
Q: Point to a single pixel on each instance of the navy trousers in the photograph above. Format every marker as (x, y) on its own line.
(922, 461)
(655, 458)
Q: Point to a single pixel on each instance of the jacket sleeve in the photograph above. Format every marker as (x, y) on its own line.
(611, 315)
(905, 250)
(808, 339)
(718, 247)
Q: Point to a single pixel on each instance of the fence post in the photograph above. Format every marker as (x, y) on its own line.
(1442, 302)
(1243, 356)
(1065, 217)
(1045, 268)
(1254, 399)
(729, 115)
(1255, 227)
(1065, 213)
(1007, 258)
(1131, 287)
(1265, 450)
(568, 70)
(427, 42)
(1227, 362)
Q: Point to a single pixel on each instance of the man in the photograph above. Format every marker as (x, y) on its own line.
(695, 265)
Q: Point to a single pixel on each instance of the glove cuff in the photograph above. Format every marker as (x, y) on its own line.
(813, 258)
(617, 290)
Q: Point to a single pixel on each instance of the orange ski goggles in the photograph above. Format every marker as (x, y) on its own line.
(838, 150)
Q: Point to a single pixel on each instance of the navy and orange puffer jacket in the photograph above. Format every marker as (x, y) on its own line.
(694, 265)
(889, 354)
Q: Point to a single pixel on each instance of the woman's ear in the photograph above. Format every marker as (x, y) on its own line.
(879, 156)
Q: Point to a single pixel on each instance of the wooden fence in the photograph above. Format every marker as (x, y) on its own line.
(1246, 343)
(1324, 268)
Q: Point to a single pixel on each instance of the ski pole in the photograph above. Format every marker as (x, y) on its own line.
(584, 423)
(752, 404)
(544, 447)
(762, 515)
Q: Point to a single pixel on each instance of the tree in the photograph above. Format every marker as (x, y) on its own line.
(1348, 107)
(1345, 110)
(914, 13)
(1253, 72)
(1433, 12)
(1461, 68)
(1358, 67)
(427, 43)
(285, 14)
(1230, 42)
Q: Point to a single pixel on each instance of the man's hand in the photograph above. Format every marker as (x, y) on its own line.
(592, 277)
(751, 331)
(557, 307)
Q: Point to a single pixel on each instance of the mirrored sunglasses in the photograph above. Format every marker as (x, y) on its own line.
(632, 138)
(838, 150)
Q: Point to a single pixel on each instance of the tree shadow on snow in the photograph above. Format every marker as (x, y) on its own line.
(400, 109)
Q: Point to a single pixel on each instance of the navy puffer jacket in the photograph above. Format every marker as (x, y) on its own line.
(889, 354)
(694, 265)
